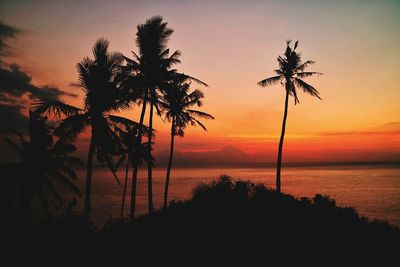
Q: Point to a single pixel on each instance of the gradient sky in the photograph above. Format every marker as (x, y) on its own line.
(232, 45)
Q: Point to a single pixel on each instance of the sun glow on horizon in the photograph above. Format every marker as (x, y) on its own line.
(350, 41)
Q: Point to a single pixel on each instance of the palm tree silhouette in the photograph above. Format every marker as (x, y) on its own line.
(135, 153)
(44, 165)
(99, 81)
(178, 102)
(147, 73)
(290, 74)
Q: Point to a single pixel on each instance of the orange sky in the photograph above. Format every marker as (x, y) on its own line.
(232, 45)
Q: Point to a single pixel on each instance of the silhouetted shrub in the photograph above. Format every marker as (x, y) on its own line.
(237, 219)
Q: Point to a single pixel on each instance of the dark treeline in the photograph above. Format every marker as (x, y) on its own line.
(224, 221)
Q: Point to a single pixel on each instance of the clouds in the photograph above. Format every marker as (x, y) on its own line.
(6, 32)
(14, 83)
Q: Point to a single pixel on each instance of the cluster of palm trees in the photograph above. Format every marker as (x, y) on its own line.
(112, 83)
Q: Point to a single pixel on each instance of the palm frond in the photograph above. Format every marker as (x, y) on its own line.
(71, 127)
(270, 81)
(124, 122)
(307, 88)
(164, 53)
(83, 69)
(172, 60)
(200, 114)
(62, 148)
(110, 164)
(159, 110)
(184, 76)
(120, 161)
(53, 190)
(293, 93)
(100, 52)
(200, 124)
(305, 65)
(64, 181)
(308, 74)
(55, 107)
(67, 171)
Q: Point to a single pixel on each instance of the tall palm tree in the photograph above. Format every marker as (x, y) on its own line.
(98, 79)
(43, 167)
(135, 154)
(290, 74)
(148, 72)
(178, 103)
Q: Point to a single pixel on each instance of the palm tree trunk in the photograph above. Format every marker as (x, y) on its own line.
(171, 153)
(135, 168)
(133, 193)
(88, 188)
(149, 167)
(125, 186)
(142, 116)
(279, 162)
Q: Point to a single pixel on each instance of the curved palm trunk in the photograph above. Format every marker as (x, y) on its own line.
(149, 167)
(279, 162)
(88, 188)
(133, 193)
(171, 154)
(125, 186)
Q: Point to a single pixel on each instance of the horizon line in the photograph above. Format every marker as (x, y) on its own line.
(394, 163)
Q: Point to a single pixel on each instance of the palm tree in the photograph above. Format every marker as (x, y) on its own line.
(44, 165)
(290, 74)
(148, 72)
(98, 79)
(135, 154)
(178, 103)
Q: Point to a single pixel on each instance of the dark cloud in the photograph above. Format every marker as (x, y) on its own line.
(14, 82)
(12, 118)
(6, 32)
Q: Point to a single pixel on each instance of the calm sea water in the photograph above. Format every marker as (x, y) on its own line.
(373, 190)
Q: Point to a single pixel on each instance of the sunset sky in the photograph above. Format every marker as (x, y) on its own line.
(231, 45)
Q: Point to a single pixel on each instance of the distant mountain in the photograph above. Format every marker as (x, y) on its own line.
(229, 155)
(232, 156)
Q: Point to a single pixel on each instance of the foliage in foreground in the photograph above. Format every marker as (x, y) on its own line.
(227, 216)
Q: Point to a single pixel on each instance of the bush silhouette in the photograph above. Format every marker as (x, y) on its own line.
(233, 220)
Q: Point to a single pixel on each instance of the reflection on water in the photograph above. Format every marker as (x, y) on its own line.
(373, 191)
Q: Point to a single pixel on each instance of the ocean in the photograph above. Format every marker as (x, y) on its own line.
(374, 191)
